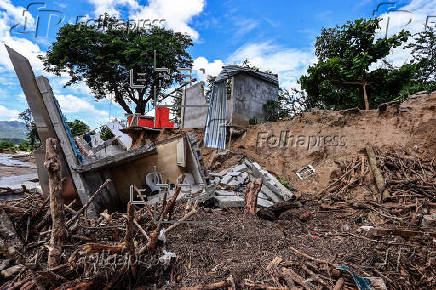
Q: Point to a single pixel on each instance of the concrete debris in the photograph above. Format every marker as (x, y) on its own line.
(241, 168)
(270, 195)
(229, 201)
(224, 193)
(272, 190)
(272, 183)
(263, 202)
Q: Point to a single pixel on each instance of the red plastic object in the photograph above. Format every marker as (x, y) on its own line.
(162, 119)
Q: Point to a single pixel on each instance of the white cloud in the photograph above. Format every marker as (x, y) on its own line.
(111, 6)
(7, 114)
(13, 15)
(210, 68)
(73, 104)
(177, 14)
(411, 17)
(289, 63)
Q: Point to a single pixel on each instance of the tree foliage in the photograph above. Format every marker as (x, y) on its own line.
(32, 133)
(103, 59)
(424, 55)
(342, 75)
(106, 133)
(78, 127)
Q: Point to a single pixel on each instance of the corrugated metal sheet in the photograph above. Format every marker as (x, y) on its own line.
(215, 128)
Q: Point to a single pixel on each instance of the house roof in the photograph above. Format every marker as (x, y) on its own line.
(231, 70)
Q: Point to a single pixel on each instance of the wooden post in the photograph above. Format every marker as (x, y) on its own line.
(379, 179)
(129, 237)
(53, 165)
(251, 196)
(365, 96)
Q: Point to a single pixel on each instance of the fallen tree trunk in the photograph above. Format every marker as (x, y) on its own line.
(251, 196)
(53, 165)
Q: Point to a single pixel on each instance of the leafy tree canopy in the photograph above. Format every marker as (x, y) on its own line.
(78, 127)
(32, 133)
(342, 74)
(103, 59)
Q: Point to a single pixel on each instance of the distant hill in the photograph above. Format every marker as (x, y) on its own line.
(12, 131)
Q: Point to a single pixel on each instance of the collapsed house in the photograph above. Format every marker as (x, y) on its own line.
(85, 169)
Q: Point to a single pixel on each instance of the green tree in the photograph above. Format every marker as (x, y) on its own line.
(32, 133)
(104, 57)
(424, 55)
(106, 133)
(340, 78)
(6, 144)
(78, 127)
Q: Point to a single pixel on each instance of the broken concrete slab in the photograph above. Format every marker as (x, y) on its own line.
(241, 168)
(224, 193)
(263, 202)
(264, 196)
(233, 173)
(226, 180)
(229, 201)
(270, 194)
(269, 181)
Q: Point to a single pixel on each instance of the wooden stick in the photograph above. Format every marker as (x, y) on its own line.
(339, 284)
(379, 179)
(108, 218)
(155, 234)
(143, 232)
(321, 261)
(340, 178)
(129, 237)
(297, 278)
(184, 218)
(92, 248)
(251, 194)
(216, 285)
(252, 285)
(53, 165)
(91, 199)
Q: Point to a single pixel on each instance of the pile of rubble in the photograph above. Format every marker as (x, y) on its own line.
(231, 184)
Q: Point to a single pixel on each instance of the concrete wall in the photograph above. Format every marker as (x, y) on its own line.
(134, 172)
(249, 94)
(194, 117)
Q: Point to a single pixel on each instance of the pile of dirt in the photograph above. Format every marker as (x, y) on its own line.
(325, 139)
(347, 224)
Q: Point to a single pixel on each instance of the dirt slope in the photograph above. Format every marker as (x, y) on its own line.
(325, 139)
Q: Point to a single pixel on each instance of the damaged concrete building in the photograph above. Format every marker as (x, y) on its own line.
(85, 172)
(250, 90)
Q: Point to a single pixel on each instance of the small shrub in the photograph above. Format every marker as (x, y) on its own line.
(284, 182)
(253, 121)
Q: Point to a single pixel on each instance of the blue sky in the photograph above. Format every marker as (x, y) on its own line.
(276, 35)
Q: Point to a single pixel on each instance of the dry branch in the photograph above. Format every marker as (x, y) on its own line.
(91, 199)
(53, 165)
